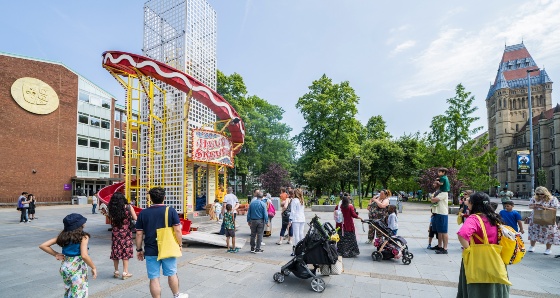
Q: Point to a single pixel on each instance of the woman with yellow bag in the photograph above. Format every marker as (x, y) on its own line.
(483, 273)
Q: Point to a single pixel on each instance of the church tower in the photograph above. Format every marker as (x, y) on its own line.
(507, 105)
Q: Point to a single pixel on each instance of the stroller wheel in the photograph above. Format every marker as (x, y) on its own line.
(406, 261)
(377, 256)
(278, 277)
(318, 284)
(286, 272)
(409, 255)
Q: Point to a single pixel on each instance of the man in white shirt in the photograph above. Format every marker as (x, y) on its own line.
(230, 198)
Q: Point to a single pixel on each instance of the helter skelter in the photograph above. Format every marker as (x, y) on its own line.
(185, 158)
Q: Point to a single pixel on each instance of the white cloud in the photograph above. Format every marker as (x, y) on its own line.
(463, 56)
(403, 46)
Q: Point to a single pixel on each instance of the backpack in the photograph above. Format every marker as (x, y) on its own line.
(286, 213)
(271, 210)
(338, 217)
(513, 247)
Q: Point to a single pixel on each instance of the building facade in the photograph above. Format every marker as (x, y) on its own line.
(119, 143)
(56, 131)
(507, 114)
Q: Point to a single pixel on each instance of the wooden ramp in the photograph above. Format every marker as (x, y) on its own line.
(213, 239)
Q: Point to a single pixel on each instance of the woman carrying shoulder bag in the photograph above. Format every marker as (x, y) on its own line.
(543, 201)
(286, 219)
(377, 208)
(121, 214)
(480, 209)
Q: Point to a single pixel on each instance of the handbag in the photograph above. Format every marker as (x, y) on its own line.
(335, 269)
(513, 247)
(168, 245)
(483, 262)
(544, 217)
(286, 213)
(131, 222)
(460, 218)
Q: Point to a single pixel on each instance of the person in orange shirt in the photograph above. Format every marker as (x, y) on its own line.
(283, 195)
(220, 193)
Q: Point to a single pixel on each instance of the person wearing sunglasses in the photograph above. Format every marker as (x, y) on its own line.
(547, 234)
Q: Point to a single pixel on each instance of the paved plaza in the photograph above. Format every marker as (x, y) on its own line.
(208, 271)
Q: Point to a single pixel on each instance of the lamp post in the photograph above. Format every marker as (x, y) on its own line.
(359, 181)
(532, 162)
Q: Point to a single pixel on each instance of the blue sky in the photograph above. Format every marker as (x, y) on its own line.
(403, 58)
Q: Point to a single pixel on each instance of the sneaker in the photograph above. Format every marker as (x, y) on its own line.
(279, 242)
(292, 254)
(253, 250)
(441, 251)
(263, 244)
(181, 295)
(547, 252)
(236, 250)
(289, 242)
(429, 246)
(258, 251)
(229, 250)
(531, 249)
(435, 248)
(557, 256)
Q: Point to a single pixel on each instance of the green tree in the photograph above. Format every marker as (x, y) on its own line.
(376, 128)
(385, 160)
(331, 131)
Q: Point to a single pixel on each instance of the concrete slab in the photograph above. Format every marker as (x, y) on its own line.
(213, 239)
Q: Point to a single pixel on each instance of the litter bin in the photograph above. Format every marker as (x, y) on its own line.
(276, 203)
(395, 201)
(74, 201)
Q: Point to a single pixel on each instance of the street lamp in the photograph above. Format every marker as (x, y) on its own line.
(532, 162)
(359, 181)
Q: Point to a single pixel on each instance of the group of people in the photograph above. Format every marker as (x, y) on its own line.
(73, 240)
(26, 205)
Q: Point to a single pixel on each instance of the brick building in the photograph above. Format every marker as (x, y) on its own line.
(56, 131)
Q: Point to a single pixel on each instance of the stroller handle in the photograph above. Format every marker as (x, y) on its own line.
(330, 229)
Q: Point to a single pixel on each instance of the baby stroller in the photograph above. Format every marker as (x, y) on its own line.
(388, 246)
(315, 248)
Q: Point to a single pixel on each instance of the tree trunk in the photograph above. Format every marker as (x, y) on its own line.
(244, 184)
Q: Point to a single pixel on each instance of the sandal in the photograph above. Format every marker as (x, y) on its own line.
(116, 274)
(126, 275)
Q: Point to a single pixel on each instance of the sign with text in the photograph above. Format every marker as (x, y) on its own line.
(211, 147)
(523, 162)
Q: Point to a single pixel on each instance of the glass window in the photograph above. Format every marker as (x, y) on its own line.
(117, 116)
(83, 119)
(133, 171)
(94, 122)
(134, 153)
(82, 166)
(105, 145)
(105, 124)
(123, 135)
(122, 151)
(94, 143)
(93, 167)
(134, 137)
(117, 151)
(104, 168)
(82, 141)
(122, 170)
(106, 103)
(84, 96)
(117, 134)
(115, 169)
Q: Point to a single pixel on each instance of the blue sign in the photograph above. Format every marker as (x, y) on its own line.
(523, 162)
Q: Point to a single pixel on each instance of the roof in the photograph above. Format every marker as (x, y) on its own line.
(548, 114)
(512, 71)
(57, 63)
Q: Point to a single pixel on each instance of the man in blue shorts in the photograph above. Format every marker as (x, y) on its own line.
(149, 220)
(441, 211)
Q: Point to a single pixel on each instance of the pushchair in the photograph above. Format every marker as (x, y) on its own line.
(316, 249)
(388, 246)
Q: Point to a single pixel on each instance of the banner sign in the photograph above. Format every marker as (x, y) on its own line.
(211, 147)
(523, 162)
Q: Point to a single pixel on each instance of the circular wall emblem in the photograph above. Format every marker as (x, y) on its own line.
(35, 96)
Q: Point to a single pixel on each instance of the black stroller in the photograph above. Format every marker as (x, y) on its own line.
(315, 248)
(388, 246)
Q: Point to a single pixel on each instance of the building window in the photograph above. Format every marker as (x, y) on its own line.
(122, 170)
(83, 119)
(104, 168)
(552, 159)
(134, 137)
(105, 145)
(105, 124)
(552, 180)
(122, 151)
(117, 116)
(116, 169)
(94, 122)
(117, 151)
(82, 141)
(93, 167)
(83, 97)
(133, 171)
(134, 153)
(82, 166)
(123, 135)
(94, 143)
(117, 134)
(106, 103)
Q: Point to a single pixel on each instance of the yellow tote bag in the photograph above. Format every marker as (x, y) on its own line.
(168, 245)
(460, 218)
(483, 263)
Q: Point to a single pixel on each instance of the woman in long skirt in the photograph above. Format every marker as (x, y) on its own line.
(348, 245)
